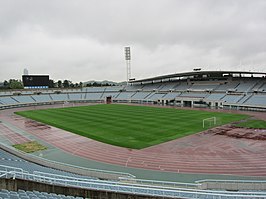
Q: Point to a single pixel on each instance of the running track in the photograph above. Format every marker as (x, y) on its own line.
(200, 153)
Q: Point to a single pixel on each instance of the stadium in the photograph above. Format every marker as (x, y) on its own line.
(198, 134)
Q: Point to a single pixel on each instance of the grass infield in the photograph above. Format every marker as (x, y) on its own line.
(253, 123)
(129, 126)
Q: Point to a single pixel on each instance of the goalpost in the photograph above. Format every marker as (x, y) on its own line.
(211, 121)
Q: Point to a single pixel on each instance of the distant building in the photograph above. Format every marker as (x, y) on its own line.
(25, 71)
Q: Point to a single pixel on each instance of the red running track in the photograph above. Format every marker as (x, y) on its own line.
(205, 152)
(13, 137)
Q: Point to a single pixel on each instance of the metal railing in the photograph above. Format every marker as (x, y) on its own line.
(5, 169)
(122, 187)
(158, 183)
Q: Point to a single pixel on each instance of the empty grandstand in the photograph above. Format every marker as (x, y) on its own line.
(218, 89)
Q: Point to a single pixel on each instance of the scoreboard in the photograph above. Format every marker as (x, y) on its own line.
(35, 81)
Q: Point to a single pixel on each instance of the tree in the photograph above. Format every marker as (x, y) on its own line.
(80, 84)
(51, 83)
(6, 84)
(66, 84)
(59, 84)
(71, 84)
(15, 84)
(95, 84)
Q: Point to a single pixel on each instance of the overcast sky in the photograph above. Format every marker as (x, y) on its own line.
(84, 40)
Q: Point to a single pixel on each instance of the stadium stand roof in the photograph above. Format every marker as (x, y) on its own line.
(199, 74)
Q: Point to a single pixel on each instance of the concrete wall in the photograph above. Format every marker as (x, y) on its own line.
(16, 184)
(234, 186)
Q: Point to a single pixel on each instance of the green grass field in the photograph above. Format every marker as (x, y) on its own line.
(128, 126)
(253, 123)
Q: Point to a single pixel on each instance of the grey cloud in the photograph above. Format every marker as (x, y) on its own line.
(166, 36)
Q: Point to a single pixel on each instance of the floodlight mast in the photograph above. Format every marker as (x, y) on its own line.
(128, 62)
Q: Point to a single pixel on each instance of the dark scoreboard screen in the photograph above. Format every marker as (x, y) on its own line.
(35, 81)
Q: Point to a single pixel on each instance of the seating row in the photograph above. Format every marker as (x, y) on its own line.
(21, 194)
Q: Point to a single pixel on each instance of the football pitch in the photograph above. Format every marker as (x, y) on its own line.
(129, 126)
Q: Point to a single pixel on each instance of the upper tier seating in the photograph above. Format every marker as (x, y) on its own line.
(75, 96)
(166, 86)
(262, 88)
(114, 88)
(257, 100)
(227, 86)
(171, 95)
(59, 97)
(93, 96)
(24, 99)
(193, 94)
(125, 95)
(108, 94)
(133, 87)
(203, 86)
(244, 99)
(140, 95)
(232, 98)
(245, 86)
(215, 96)
(27, 92)
(156, 96)
(6, 93)
(95, 89)
(151, 87)
(42, 98)
(75, 90)
(183, 86)
(8, 100)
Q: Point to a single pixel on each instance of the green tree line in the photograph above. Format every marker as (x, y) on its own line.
(18, 84)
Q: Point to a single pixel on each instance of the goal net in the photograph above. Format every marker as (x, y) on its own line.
(208, 122)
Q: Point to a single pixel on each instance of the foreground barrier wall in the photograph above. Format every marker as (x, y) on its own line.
(233, 186)
(16, 184)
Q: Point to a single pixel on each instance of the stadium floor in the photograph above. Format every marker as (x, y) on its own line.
(203, 153)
